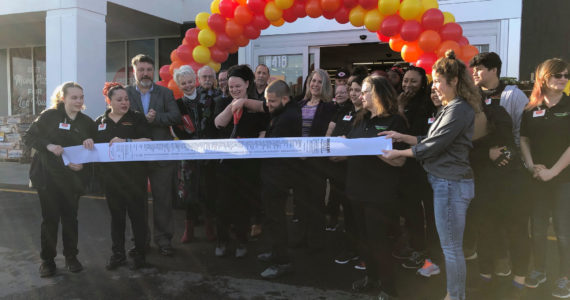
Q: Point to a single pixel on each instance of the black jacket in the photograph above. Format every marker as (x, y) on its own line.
(323, 116)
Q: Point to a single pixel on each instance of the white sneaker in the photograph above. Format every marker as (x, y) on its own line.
(428, 269)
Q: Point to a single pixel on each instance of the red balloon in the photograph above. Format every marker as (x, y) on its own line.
(175, 65)
(260, 22)
(257, 6)
(382, 37)
(223, 41)
(329, 15)
(432, 19)
(391, 25)
(218, 55)
(162, 83)
(451, 31)
(429, 40)
(242, 15)
(410, 30)
(241, 41)
(195, 66)
(185, 52)
(165, 73)
(174, 55)
(299, 9)
(313, 8)
(350, 3)
(426, 61)
(289, 15)
(330, 5)
(217, 23)
(368, 4)
(227, 8)
(191, 37)
(463, 41)
(233, 29)
(449, 45)
(251, 32)
(233, 49)
(341, 15)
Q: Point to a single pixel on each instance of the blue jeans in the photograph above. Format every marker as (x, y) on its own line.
(451, 199)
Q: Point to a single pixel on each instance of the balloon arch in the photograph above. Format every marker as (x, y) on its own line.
(415, 28)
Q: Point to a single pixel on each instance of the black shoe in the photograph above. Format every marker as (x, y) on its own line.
(166, 250)
(116, 260)
(345, 258)
(138, 263)
(416, 261)
(365, 284)
(73, 265)
(47, 268)
(134, 251)
(265, 257)
(276, 271)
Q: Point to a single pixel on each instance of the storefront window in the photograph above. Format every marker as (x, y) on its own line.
(139, 47)
(286, 67)
(40, 79)
(4, 88)
(22, 81)
(116, 62)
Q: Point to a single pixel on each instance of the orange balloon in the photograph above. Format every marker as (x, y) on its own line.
(429, 40)
(242, 15)
(233, 29)
(330, 5)
(278, 23)
(411, 52)
(467, 52)
(396, 43)
(241, 41)
(313, 8)
(449, 45)
(174, 55)
(173, 86)
(175, 65)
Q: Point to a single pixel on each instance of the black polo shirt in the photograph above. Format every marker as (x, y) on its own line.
(548, 130)
(343, 119)
(369, 178)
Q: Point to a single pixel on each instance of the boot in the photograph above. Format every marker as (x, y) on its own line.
(210, 232)
(188, 235)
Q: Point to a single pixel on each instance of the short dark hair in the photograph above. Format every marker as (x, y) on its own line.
(279, 88)
(489, 60)
(142, 58)
(263, 65)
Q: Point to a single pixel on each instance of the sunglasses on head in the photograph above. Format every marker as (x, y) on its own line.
(560, 75)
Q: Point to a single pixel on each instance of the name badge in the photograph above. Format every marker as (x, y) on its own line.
(102, 127)
(64, 126)
(488, 101)
(431, 120)
(538, 113)
(347, 118)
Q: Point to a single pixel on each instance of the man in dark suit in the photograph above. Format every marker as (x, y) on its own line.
(158, 105)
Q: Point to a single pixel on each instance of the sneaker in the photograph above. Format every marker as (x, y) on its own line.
(241, 251)
(47, 268)
(470, 254)
(345, 258)
(502, 267)
(265, 257)
(384, 296)
(562, 289)
(428, 269)
(331, 228)
(276, 271)
(534, 279)
(365, 284)
(360, 266)
(221, 250)
(116, 260)
(402, 253)
(73, 265)
(416, 261)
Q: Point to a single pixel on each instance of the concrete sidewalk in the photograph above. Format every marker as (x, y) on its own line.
(14, 173)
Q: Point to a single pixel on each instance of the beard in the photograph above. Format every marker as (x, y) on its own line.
(145, 82)
(279, 109)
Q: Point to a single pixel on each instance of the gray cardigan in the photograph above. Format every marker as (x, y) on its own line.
(445, 151)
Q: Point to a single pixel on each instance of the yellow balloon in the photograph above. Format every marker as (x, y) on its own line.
(388, 7)
(427, 4)
(278, 23)
(207, 37)
(372, 20)
(214, 65)
(356, 16)
(567, 89)
(201, 54)
(410, 9)
(215, 7)
(448, 17)
(272, 12)
(202, 20)
(284, 4)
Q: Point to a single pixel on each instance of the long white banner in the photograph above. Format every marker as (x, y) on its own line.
(227, 149)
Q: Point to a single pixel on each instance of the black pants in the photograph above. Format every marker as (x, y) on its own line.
(127, 196)
(373, 221)
(502, 212)
(58, 203)
(310, 193)
(337, 197)
(274, 195)
(200, 188)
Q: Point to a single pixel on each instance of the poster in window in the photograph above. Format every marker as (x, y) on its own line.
(40, 78)
(22, 80)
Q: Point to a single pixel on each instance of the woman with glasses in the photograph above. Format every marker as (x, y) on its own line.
(545, 146)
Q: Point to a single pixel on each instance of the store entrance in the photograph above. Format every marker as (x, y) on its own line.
(373, 56)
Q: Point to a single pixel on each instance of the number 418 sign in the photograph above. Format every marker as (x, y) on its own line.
(276, 61)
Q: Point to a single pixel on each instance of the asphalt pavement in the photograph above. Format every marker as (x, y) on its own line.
(192, 273)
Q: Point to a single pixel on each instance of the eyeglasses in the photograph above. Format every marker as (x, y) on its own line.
(560, 75)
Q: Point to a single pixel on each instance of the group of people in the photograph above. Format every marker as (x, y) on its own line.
(470, 154)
